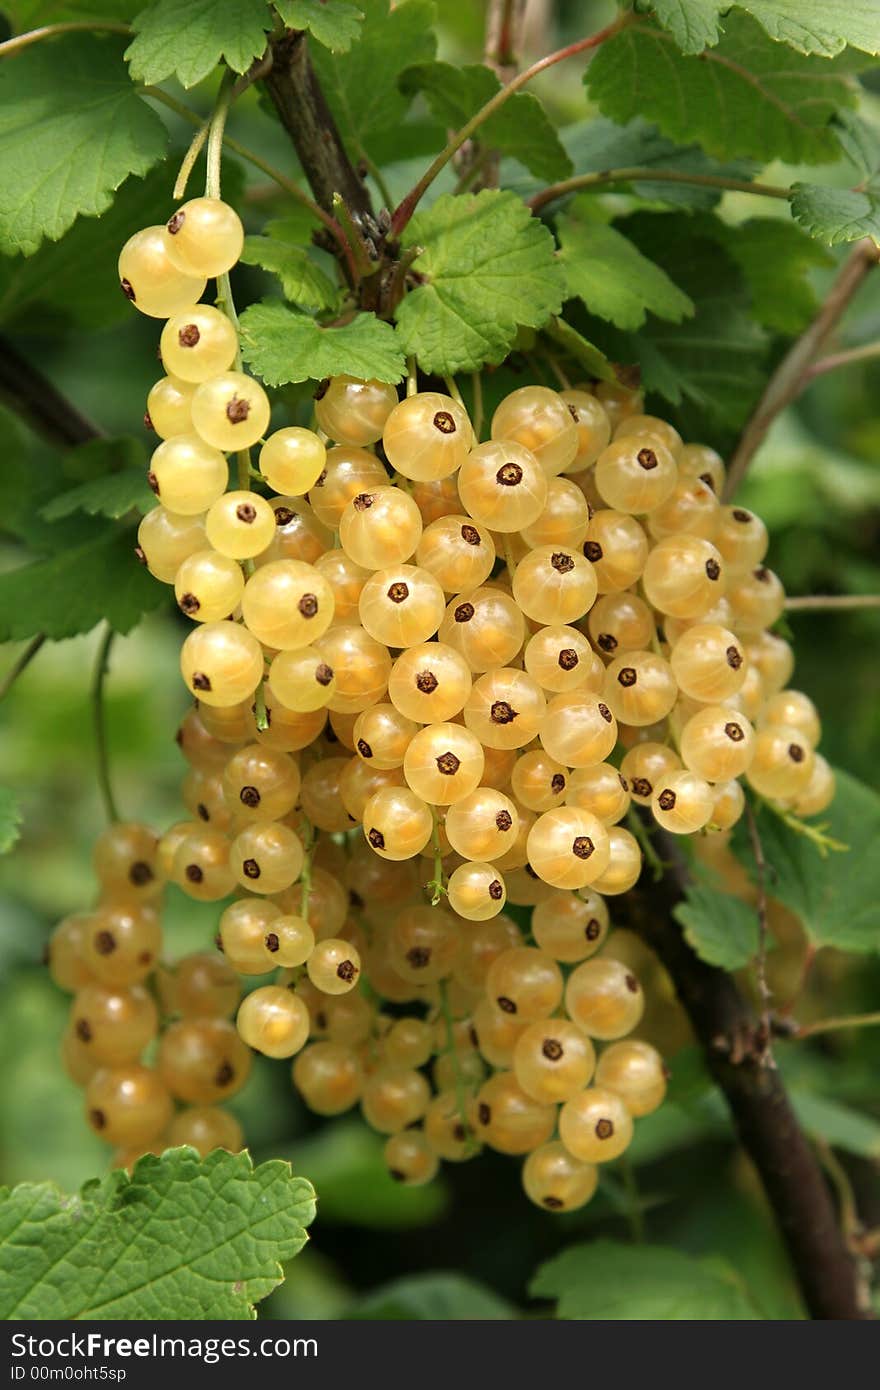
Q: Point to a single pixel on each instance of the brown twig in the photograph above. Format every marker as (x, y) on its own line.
(791, 375)
(764, 992)
(31, 396)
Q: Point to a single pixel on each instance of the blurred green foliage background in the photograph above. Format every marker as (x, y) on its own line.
(816, 483)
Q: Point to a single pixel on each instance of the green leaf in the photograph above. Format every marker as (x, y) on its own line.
(72, 128)
(834, 215)
(113, 496)
(186, 39)
(29, 14)
(180, 1238)
(748, 96)
(281, 345)
(334, 23)
(776, 259)
(71, 591)
(356, 1187)
(521, 128)
(361, 85)
(10, 820)
(721, 929)
(613, 278)
(435, 1298)
(303, 281)
(487, 266)
(837, 1124)
(836, 897)
(811, 26)
(591, 358)
(860, 141)
(605, 1280)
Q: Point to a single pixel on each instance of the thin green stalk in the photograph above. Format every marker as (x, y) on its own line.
(477, 389)
(102, 666)
(305, 876)
(634, 1211)
(845, 358)
(436, 887)
(49, 31)
(636, 175)
(21, 664)
(646, 844)
(814, 833)
(460, 1088)
(832, 1025)
(452, 390)
(831, 603)
(197, 144)
(412, 377)
(407, 207)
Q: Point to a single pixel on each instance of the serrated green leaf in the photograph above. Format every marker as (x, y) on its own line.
(810, 26)
(776, 259)
(29, 14)
(186, 39)
(860, 142)
(835, 215)
(281, 345)
(72, 590)
(72, 129)
(10, 820)
(591, 358)
(521, 128)
(613, 278)
(304, 283)
(605, 1280)
(836, 897)
(749, 96)
(433, 1297)
(488, 266)
(837, 1124)
(112, 496)
(180, 1238)
(723, 930)
(361, 85)
(334, 23)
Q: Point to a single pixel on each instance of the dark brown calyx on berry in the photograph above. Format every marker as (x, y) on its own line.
(364, 501)
(572, 410)
(321, 389)
(398, 592)
(189, 603)
(203, 812)
(506, 1005)
(448, 764)
(459, 1132)
(713, 569)
(504, 820)
(323, 673)
(105, 943)
(552, 1049)
(557, 783)
(355, 900)
(496, 890)
(627, 677)
(641, 787)
(189, 335)
(552, 1203)
(237, 410)
(509, 475)
(224, 1074)
(426, 682)
(741, 515)
(484, 1113)
(140, 873)
(708, 480)
(364, 749)
(396, 1175)
(98, 1119)
(631, 983)
(762, 574)
(175, 222)
(148, 421)
(647, 458)
(582, 847)
(607, 641)
(139, 555)
(734, 658)
(346, 970)
(194, 873)
(308, 605)
(734, 732)
(444, 422)
(246, 512)
(153, 482)
(376, 839)
(83, 1030)
(272, 942)
(464, 612)
(795, 752)
(283, 515)
(418, 956)
(530, 871)
(604, 1129)
(502, 712)
(249, 796)
(470, 534)
(605, 712)
(593, 930)
(623, 782)
(562, 562)
(568, 658)
(251, 869)
(666, 800)
(593, 551)
(128, 290)
(201, 681)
